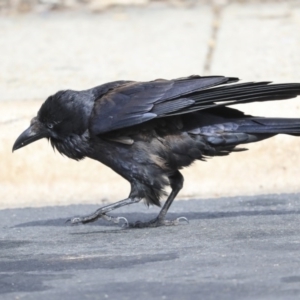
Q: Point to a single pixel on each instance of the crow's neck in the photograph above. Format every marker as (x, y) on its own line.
(73, 146)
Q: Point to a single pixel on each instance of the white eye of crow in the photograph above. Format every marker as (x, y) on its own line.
(50, 125)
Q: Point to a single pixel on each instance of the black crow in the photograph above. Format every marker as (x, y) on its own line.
(148, 131)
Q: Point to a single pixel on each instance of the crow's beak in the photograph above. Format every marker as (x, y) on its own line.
(35, 132)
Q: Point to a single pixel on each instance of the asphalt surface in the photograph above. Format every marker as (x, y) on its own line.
(233, 248)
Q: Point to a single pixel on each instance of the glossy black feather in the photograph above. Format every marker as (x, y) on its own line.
(127, 105)
(137, 102)
(145, 131)
(148, 131)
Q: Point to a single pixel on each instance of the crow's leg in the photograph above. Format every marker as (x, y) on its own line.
(176, 183)
(101, 212)
(115, 220)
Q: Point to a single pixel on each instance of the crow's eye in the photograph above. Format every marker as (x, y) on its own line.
(50, 125)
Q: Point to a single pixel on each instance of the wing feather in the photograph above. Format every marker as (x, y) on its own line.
(137, 102)
(133, 103)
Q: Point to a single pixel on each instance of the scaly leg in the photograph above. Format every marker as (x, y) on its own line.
(176, 182)
(101, 212)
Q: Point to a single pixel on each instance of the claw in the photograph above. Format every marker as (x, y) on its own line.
(182, 218)
(116, 220)
(74, 221)
(126, 223)
(175, 222)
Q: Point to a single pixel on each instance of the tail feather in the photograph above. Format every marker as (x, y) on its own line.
(247, 93)
(248, 130)
(226, 95)
(270, 125)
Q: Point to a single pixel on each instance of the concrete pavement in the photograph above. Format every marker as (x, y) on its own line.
(233, 248)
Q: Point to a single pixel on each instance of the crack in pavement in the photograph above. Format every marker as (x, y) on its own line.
(217, 7)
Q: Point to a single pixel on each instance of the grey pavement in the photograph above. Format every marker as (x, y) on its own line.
(233, 248)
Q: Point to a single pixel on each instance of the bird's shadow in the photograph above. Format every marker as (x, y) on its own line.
(133, 217)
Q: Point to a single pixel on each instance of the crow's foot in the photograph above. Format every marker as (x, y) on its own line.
(101, 213)
(158, 222)
(115, 220)
(93, 217)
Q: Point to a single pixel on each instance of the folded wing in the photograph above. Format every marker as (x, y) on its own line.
(134, 103)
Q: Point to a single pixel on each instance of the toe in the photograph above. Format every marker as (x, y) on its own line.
(182, 219)
(75, 220)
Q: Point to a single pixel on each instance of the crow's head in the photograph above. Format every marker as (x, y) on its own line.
(61, 115)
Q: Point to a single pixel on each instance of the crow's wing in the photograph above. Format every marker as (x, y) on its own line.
(137, 102)
(133, 103)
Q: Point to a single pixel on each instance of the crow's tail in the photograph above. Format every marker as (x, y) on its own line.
(248, 130)
(269, 126)
(227, 95)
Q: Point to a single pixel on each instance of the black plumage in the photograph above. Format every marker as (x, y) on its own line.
(148, 131)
